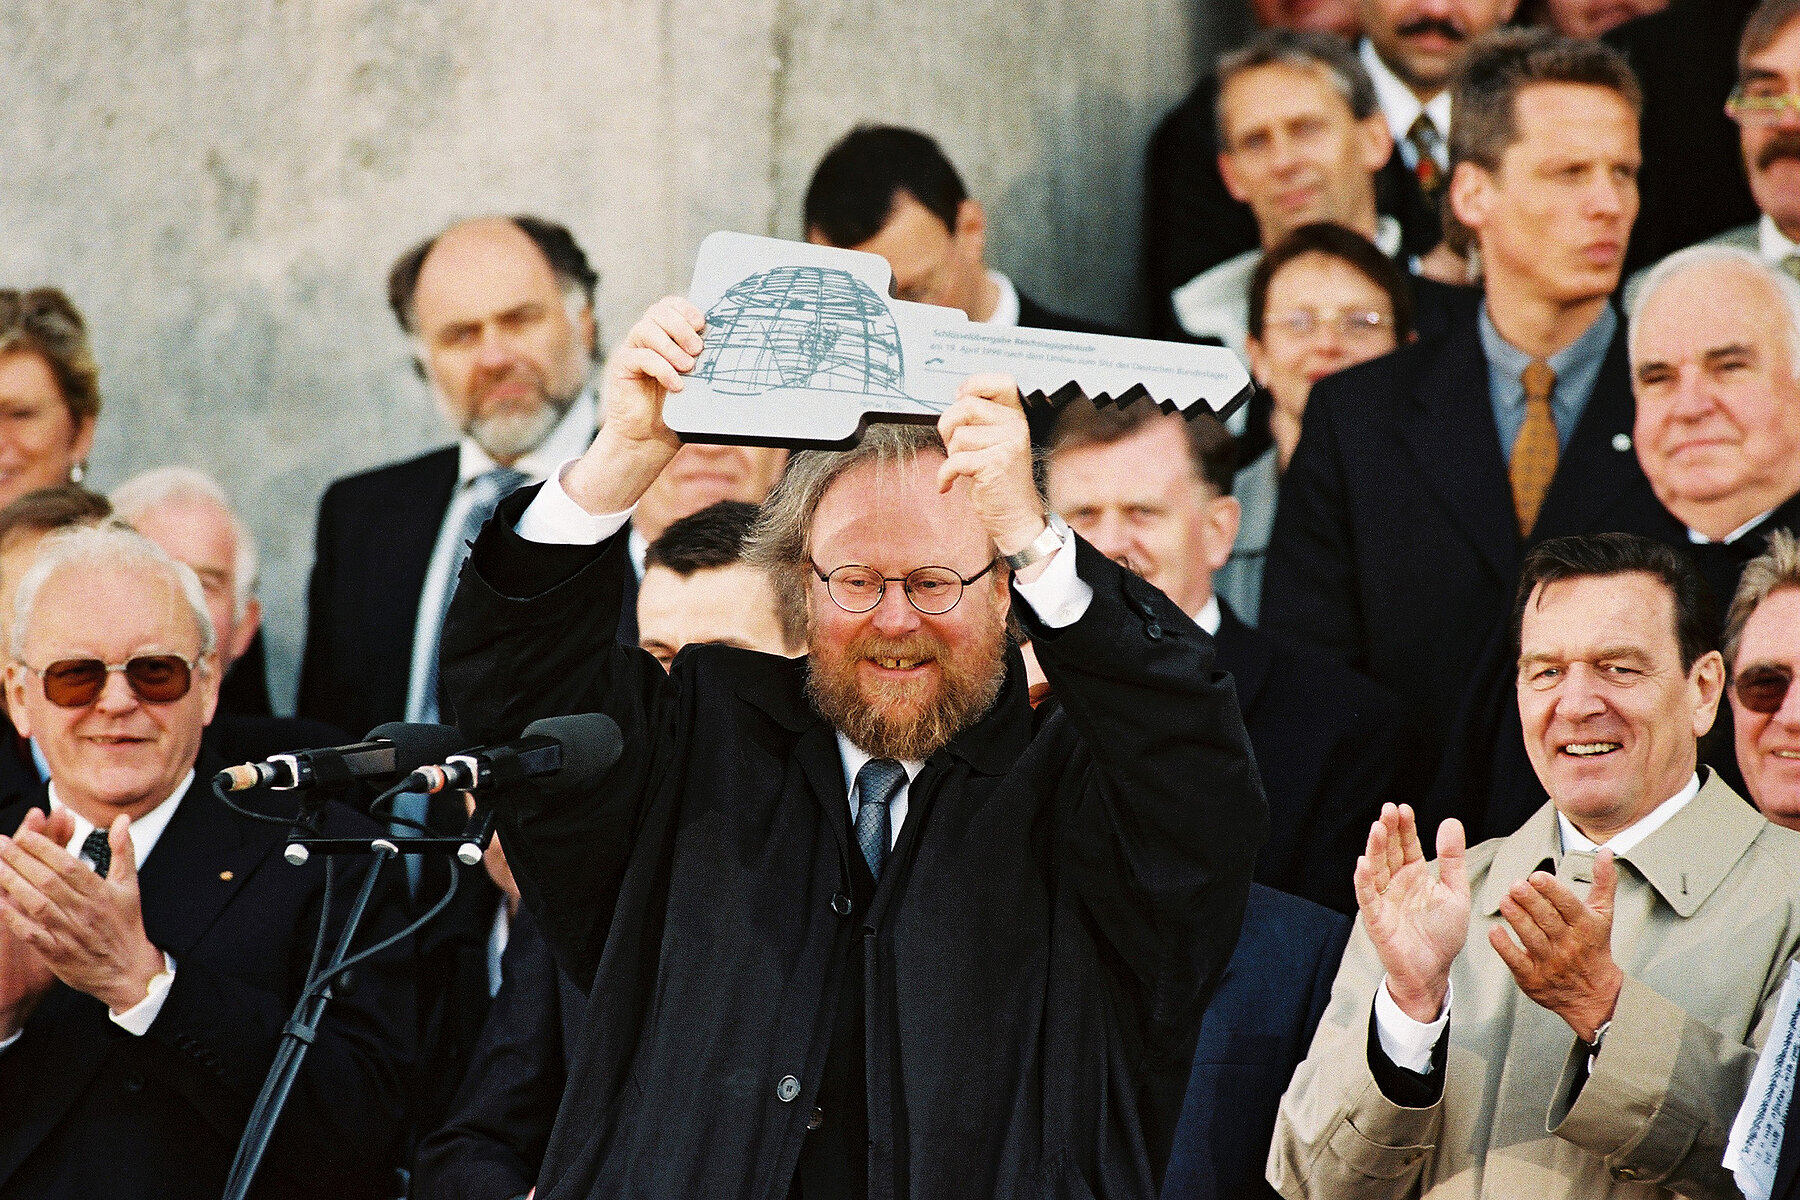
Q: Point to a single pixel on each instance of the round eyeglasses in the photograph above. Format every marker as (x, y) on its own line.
(934, 591)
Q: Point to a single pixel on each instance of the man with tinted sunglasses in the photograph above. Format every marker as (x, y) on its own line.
(151, 945)
(1762, 652)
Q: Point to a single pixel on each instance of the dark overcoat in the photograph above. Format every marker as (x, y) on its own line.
(1032, 965)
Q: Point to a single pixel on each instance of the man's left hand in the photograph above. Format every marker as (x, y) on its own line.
(89, 931)
(1563, 958)
(987, 441)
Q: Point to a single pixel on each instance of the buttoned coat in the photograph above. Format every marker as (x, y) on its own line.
(1706, 917)
(1035, 958)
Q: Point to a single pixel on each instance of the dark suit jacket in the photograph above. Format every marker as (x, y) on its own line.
(1191, 223)
(245, 688)
(1692, 184)
(1042, 941)
(88, 1110)
(1255, 1033)
(1330, 745)
(493, 1143)
(1395, 544)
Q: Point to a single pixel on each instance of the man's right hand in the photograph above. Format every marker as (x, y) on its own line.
(1418, 919)
(24, 975)
(634, 445)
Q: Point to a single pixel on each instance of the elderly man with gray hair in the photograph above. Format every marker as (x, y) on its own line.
(151, 946)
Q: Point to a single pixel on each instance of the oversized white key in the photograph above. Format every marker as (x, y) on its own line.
(805, 346)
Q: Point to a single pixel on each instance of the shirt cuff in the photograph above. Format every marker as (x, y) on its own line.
(552, 518)
(137, 1019)
(1407, 1043)
(1058, 596)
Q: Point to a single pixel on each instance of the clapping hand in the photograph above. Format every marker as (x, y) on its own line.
(1563, 958)
(1417, 918)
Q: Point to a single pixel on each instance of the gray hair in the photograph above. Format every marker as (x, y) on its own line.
(781, 540)
(1307, 51)
(111, 548)
(1705, 255)
(186, 485)
(1774, 569)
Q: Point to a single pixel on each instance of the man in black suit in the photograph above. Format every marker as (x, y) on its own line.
(1422, 477)
(860, 924)
(1191, 222)
(1153, 492)
(152, 942)
(892, 192)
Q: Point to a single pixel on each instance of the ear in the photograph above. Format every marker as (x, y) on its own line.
(1706, 684)
(1377, 142)
(245, 632)
(1229, 174)
(1223, 516)
(1471, 195)
(587, 330)
(971, 228)
(15, 697)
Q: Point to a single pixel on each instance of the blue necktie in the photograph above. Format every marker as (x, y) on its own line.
(879, 781)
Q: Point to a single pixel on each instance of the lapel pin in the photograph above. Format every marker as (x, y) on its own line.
(1621, 442)
(225, 876)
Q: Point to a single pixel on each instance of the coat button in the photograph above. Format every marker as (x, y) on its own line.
(840, 904)
(1153, 631)
(787, 1089)
(134, 1083)
(1621, 442)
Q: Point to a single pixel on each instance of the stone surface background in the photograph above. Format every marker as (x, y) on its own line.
(221, 187)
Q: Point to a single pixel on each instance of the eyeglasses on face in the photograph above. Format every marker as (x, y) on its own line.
(1760, 108)
(934, 591)
(1353, 325)
(78, 682)
(1763, 689)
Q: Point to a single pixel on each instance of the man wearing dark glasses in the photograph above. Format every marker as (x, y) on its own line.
(863, 924)
(1598, 1040)
(1762, 652)
(152, 943)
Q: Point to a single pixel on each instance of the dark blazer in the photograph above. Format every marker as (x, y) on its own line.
(1010, 1012)
(1330, 746)
(1255, 1033)
(493, 1143)
(245, 688)
(1692, 185)
(1395, 544)
(1191, 223)
(88, 1110)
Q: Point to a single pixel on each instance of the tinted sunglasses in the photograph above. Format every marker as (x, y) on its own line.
(153, 678)
(1762, 689)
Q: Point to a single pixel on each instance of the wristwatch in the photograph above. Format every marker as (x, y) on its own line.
(1054, 537)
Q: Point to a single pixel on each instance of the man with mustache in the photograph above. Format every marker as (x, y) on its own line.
(863, 924)
(1192, 223)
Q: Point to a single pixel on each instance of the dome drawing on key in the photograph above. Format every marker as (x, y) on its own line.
(815, 328)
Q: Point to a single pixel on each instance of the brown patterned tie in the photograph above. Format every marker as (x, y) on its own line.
(1425, 140)
(1534, 453)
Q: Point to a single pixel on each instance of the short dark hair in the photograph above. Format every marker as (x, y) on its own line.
(47, 510)
(568, 262)
(701, 541)
(1763, 27)
(1485, 92)
(855, 185)
(1212, 452)
(1348, 247)
(1304, 50)
(1603, 554)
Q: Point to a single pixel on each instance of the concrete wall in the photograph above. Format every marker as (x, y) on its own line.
(221, 187)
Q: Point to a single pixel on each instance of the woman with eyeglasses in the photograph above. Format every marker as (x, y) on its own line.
(1762, 652)
(49, 392)
(1322, 299)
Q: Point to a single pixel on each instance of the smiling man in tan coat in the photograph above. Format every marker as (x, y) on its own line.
(1572, 1010)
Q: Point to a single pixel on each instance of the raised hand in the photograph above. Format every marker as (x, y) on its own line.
(87, 930)
(1563, 958)
(987, 441)
(634, 444)
(1417, 917)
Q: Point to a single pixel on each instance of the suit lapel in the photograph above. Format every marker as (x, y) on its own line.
(1243, 653)
(1453, 440)
(200, 862)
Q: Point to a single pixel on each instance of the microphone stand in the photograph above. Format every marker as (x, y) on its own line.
(303, 1026)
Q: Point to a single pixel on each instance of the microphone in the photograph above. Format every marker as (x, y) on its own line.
(577, 749)
(395, 748)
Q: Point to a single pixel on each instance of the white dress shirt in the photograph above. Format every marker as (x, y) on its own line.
(1409, 1043)
(568, 439)
(1695, 537)
(145, 832)
(1773, 244)
(1058, 596)
(1402, 108)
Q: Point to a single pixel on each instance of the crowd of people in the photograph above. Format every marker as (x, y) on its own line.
(1393, 791)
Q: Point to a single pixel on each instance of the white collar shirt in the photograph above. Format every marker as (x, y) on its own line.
(1402, 108)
